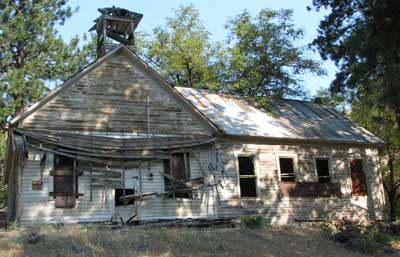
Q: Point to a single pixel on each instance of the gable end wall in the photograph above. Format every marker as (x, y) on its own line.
(114, 97)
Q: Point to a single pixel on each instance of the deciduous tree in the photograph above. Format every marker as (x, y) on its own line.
(263, 57)
(181, 50)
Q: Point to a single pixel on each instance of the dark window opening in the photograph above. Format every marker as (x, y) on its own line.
(287, 169)
(247, 177)
(64, 184)
(179, 169)
(358, 180)
(323, 173)
(119, 192)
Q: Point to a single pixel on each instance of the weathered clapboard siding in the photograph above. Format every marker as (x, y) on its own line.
(113, 98)
(282, 209)
(36, 206)
(202, 205)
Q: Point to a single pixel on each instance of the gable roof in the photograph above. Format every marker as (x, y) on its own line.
(233, 116)
(76, 77)
(288, 119)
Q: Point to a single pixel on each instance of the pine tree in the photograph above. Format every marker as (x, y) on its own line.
(33, 58)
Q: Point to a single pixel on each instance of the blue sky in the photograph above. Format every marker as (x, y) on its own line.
(214, 14)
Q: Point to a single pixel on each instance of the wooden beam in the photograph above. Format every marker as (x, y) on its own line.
(90, 178)
(74, 181)
(186, 184)
(123, 181)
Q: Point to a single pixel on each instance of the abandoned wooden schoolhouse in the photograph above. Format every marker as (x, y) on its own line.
(116, 141)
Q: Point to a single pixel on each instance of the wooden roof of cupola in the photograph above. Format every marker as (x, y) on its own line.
(115, 23)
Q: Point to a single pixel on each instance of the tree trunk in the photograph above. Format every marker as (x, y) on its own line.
(393, 191)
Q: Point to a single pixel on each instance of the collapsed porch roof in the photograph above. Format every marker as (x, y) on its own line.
(109, 150)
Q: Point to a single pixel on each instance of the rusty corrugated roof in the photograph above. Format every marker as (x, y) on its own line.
(289, 119)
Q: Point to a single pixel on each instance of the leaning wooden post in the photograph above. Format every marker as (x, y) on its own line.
(103, 47)
(170, 171)
(123, 178)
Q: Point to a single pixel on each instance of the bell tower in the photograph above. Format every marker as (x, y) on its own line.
(117, 24)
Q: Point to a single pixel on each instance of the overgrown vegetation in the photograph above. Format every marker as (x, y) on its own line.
(253, 222)
(99, 240)
(367, 238)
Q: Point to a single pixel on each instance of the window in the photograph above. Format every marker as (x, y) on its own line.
(63, 182)
(177, 168)
(287, 169)
(323, 167)
(119, 192)
(247, 177)
(358, 180)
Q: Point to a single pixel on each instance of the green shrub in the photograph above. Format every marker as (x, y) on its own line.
(253, 222)
(3, 195)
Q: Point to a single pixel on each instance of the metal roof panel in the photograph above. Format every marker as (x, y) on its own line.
(293, 119)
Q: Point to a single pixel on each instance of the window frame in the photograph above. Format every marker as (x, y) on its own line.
(186, 160)
(363, 165)
(255, 176)
(295, 166)
(55, 181)
(322, 157)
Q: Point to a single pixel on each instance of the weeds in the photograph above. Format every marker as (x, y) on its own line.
(253, 222)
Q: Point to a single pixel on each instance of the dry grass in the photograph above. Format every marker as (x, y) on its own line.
(97, 240)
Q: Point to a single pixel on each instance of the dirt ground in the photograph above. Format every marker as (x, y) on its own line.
(97, 240)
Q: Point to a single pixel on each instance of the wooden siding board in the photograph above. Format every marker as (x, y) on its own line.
(112, 98)
(271, 199)
(37, 207)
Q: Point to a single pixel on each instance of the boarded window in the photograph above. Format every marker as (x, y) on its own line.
(64, 183)
(358, 180)
(119, 192)
(286, 166)
(178, 168)
(323, 167)
(247, 177)
(310, 189)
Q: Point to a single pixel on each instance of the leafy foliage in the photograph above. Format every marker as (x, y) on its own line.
(181, 50)
(363, 38)
(253, 222)
(339, 102)
(262, 59)
(381, 120)
(259, 57)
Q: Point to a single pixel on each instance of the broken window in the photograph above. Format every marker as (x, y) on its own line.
(179, 171)
(323, 167)
(119, 192)
(247, 177)
(286, 166)
(65, 187)
(358, 180)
